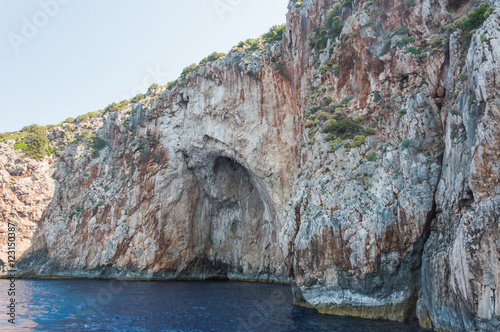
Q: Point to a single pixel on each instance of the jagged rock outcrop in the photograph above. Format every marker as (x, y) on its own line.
(357, 159)
(461, 262)
(26, 190)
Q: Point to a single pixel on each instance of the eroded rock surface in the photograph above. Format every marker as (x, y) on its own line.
(357, 159)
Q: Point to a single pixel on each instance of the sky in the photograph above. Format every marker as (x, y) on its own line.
(64, 58)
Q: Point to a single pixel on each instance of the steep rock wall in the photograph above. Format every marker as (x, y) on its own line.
(190, 186)
(461, 260)
(386, 205)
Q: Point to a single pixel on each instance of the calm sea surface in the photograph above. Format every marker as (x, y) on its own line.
(88, 305)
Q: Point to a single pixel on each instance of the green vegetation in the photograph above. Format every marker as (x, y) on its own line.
(405, 144)
(412, 50)
(9, 136)
(114, 107)
(401, 31)
(188, 70)
(334, 26)
(97, 144)
(385, 48)
(405, 41)
(469, 23)
(436, 42)
(463, 77)
(212, 58)
(172, 84)
(137, 98)
(358, 141)
(347, 99)
(274, 34)
(323, 116)
(369, 23)
(32, 141)
(345, 128)
(368, 4)
(336, 69)
(372, 156)
(327, 101)
(410, 3)
(377, 96)
(193, 67)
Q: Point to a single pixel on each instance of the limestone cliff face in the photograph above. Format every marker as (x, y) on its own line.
(461, 262)
(357, 159)
(26, 190)
(192, 186)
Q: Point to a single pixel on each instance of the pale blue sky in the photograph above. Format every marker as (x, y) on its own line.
(87, 54)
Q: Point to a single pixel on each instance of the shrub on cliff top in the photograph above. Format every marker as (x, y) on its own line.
(252, 44)
(137, 98)
(188, 70)
(274, 34)
(212, 57)
(36, 142)
(117, 106)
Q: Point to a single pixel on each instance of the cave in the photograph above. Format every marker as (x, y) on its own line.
(235, 220)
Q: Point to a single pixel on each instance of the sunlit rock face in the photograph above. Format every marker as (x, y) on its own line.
(360, 165)
(191, 187)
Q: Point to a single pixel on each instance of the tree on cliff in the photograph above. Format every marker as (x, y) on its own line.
(36, 142)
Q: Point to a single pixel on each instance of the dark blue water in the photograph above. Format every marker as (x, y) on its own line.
(92, 305)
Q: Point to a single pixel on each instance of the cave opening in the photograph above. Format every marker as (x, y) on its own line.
(236, 221)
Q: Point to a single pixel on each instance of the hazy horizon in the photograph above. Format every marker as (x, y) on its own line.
(64, 58)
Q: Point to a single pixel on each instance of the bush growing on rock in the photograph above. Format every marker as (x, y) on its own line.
(336, 69)
(343, 128)
(309, 124)
(358, 141)
(188, 70)
(347, 99)
(401, 31)
(405, 41)
(323, 116)
(385, 48)
(137, 98)
(274, 34)
(98, 143)
(36, 142)
(372, 156)
(114, 107)
(211, 58)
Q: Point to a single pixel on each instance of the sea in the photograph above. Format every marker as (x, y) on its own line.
(110, 305)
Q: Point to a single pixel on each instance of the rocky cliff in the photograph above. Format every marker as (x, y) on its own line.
(355, 157)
